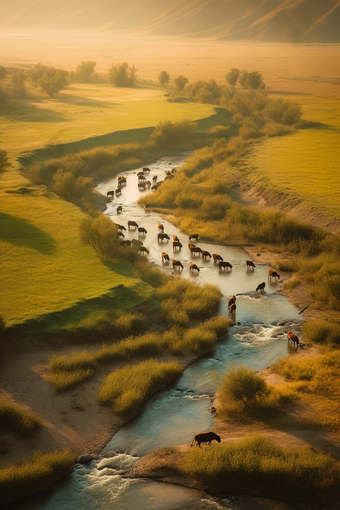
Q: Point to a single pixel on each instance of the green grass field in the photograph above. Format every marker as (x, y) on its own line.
(306, 163)
(83, 111)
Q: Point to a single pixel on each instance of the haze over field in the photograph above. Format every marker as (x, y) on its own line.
(263, 20)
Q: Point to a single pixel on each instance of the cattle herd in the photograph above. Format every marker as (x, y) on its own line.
(195, 251)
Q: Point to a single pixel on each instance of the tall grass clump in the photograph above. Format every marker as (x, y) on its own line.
(64, 380)
(126, 389)
(17, 419)
(255, 465)
(322, 332)
(29, 477)
(149, 344)
(68, 371)
(154, 276)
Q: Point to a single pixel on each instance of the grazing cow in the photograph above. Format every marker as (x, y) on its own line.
(146, 169)
(120, 234)
(141, 186)
(250, 264)
(165, 257)
(175, 238)
(132, 225)
(141, 178)
(261, 287)
(143, 250)
(176, 245)
(154, 187)
(126, 242)
(167, 172)
(293, 338)
(205, 437)
(273, 274)
(121, 178)
(224, 265)
(118, 192)
(147, 184)
(122, 183)
(120, 227)
(217, 258)
(160, 227)
(142, 231)
(177, 264)
(205, 254)
(137, 243)
(231, 301)
(139, 174)
(110, 193)
(119, 209)
(193, 267)
(195, 249)
(163, 237)
(174, 170)
(191, 245)
(154, 178)
(232, 308)
(193, 237)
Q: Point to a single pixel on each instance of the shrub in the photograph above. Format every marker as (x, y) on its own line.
(232, 76)
(164, 78)
(101, 234)
(17, 419)
(242, 384)
(322, 332)
(154, 276)
(126, 389)
(169, 133)
(84, 72)
(29, 477)
(180, 82)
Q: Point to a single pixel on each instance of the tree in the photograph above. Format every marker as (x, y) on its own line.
(18, 81)
(84, 72)
(122, 75)
(101, 234)
(181, 82)
(3, 72)
(232, 76)
(51, 80)
(4, 163)
(252, 80)
(163, 78)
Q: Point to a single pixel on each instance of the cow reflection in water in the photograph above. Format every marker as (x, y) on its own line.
(205, 437)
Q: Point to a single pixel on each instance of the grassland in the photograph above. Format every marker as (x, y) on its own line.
(304, 165)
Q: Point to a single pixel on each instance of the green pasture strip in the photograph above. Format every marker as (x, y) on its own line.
(45, 268)
(306, 163)
(83, 110)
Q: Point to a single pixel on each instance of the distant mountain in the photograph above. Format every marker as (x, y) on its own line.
(263, 20)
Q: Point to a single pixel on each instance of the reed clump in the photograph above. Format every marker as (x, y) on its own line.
(18, 419)
(32, 476)
(126, 389)
(256, 465)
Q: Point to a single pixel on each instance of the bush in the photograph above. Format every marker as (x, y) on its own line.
(180, 82)
(51, 80)
(232, 76)
(84, 72)
(17, 419)
(121, 75)
(101, 234)
(322, 332)
(242, 384)
(164, 78)
(170, 133)
(29, 477)
(126, 389)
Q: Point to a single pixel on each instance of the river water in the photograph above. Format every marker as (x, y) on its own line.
(175, 415)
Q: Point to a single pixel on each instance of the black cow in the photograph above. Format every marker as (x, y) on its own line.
(205, 437)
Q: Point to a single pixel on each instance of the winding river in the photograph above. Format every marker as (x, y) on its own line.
(175, 415)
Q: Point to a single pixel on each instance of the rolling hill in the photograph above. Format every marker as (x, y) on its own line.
(264, 20)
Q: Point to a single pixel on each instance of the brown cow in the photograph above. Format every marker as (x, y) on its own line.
(120, 227)
(205, 254)
(176, 245)
(293, 338)
(191, 245)
(205, 437)
(142, 231)
(118, 192)
(165, 257)
(231, 301)
(273, 274)
(110, 193)
(250, 264)
(193, 267)
(261, 287)
(224, 265)
(175, 238)
(160, 227)
(132, 225)
(119, 209)
(217, 258)
(177, 264)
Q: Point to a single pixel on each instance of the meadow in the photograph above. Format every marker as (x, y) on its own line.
(305, 164)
